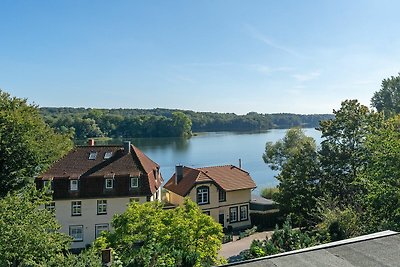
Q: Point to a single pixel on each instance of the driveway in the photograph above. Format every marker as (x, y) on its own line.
(234, 248)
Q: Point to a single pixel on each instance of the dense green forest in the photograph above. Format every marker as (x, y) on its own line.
(86, 122)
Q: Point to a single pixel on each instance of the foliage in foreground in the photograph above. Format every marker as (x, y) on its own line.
(28, 235)
(27, 144)
(147, 235)
(285, 239)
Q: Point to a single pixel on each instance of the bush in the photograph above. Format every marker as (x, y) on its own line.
(269, 192)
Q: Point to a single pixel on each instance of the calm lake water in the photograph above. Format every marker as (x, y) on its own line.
(216, 148)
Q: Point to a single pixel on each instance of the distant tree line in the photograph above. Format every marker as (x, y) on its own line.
(86, 122)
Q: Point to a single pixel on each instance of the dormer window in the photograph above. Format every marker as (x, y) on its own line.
(203, 195)
(108, 155)
(73, 185)
(134, 182)
(93, 155)
(109, 183)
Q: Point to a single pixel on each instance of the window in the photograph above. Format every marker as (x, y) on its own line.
(134, 182)
(107, 155)
(76, 208)
(100, 228)
(51, 206)
(109, 183)
(102, 206)
(207, 212)
(221, 195)
(233, 214)
(243, 213)
(73, 185)
(202, 195)
(92, 155)
(76, 232)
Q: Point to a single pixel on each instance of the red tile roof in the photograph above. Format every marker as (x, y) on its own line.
(76, 164)
(227, 177)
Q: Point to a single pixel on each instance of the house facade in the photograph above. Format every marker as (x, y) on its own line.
(92, 183)
(223, 192)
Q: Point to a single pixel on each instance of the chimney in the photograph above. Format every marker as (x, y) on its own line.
(178, 173)
(91, 142)
(127, 147)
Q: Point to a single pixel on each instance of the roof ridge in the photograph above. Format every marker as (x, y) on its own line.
(217, 166)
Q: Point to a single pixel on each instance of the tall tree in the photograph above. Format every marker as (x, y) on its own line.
(147, 235)
(387, 99)
(28, 235)
(381, 178)
(343, 152)
(27, 144)
(297, 159)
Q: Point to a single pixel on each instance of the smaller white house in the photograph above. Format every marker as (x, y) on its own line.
(92, 183)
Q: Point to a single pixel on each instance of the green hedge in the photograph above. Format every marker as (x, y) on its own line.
(267, 220)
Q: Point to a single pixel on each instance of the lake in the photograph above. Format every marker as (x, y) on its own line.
(216, 148)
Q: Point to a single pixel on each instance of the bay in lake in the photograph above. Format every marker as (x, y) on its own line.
(216, 148)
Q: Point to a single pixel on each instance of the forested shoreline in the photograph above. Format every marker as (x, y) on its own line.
(83, 123)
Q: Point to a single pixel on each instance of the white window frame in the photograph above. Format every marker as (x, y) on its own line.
(74, 185)
(108, 155)
(112, 183)
(76, 232)
(134, 184)
(97, 231)
(51, 206)
(244, 210)
(203, 195)
(101, 206)
(92, 155)
(233, 216)
(76, 208)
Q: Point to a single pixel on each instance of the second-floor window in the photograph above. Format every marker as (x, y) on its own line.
(203, 195)
(102, 206)
(73, 185)
(51, 206)
(134, 182)
(221, 195)
(76, 208)
(109, 183)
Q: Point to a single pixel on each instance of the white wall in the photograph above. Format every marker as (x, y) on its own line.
(89, 217)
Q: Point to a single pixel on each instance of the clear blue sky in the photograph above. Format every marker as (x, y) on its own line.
(225, 56)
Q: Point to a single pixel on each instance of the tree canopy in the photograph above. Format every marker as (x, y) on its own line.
(84, 123)
(27, 144)
(296, 158)
(387, 99)
(28, 235)
(147, 235)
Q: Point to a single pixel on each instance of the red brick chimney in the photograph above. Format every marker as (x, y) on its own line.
(91, 142)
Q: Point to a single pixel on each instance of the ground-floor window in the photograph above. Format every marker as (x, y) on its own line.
(233, 214)
(76, 232)
(243, 213)
(207, 212)
(100, 228)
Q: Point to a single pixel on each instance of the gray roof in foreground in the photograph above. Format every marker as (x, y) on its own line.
(379, 249)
